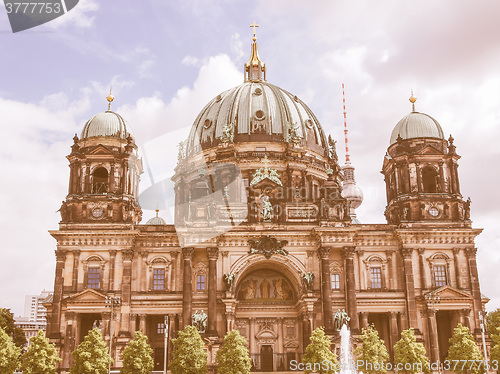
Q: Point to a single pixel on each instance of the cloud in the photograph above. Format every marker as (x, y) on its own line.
(81, 16)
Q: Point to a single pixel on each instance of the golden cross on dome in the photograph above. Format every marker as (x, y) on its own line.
(254, 26)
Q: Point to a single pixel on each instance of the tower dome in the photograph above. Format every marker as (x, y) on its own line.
(156, 220)
(417, 125)
(107, 123)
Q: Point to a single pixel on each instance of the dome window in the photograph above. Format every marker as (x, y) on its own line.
(429, 179)
(260, 114)
(258, 91)
(207, 123)
(100, 181)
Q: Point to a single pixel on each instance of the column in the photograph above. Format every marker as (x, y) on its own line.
(360, 262)
(306, 330)
(87, 188)
(54, 321)
(431, 315)
(174, 271)
(326, 288)
(112, 264)
(187, 286)
(393, 326)
(364, 320)
(213, 255)
(456, 252)
(112, 178)
(421, 264)
(127, 256)
(391, 281)
(142, 323)
(133, 323)
(411, 304)
(474, 280)
(350, 291)
(441, 177)
(76, 263)
(251, 336)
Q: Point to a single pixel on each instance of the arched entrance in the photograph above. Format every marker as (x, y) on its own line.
(267, 314)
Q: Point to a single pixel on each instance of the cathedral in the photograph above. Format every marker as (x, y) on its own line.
(265, 236)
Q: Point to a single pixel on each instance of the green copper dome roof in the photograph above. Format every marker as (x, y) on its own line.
(417, 125)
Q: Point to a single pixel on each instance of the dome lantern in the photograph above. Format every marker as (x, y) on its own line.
(255, 69)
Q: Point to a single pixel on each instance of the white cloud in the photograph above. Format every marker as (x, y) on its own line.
(80, 16)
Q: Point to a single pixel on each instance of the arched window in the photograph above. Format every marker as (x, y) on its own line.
(100, 181)
(429, 179)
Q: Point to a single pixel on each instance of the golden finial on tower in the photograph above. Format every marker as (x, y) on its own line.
(157, 211)
(412, 101)
(254, 25)
(110, 98)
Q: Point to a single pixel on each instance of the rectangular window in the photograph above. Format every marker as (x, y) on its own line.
(160, 329)
(158, 279)
(94, 278)
(335, 281)
(200, 282)
(376, 277)
(440, 275)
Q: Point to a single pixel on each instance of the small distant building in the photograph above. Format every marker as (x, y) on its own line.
(35, 314)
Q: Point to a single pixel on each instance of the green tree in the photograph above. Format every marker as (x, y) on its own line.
(7, 324)
(41, 356)
(493, 322)
(464, 354)
(372, 355)
(233, 357)
(91, 356)
(188, 354)
(9, 353)
(409, 355)
(495, 349)
(318, 356)
(137, 356)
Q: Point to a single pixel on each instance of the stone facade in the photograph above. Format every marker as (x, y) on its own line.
(263, 240)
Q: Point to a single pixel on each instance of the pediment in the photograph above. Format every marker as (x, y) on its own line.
(86, 296)
(266, 334)
(292, 344)
(429, 149)
(449, 292)
(100, 149)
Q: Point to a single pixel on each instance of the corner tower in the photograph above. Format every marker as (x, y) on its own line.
(104, 173)
(421, 173)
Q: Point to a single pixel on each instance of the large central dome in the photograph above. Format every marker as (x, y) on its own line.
(256, 111)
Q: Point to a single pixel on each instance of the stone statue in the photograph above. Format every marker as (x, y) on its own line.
(229, 281)
(332, 148)
(293, 137)
(341, 318)
(182, 151)
(227, 133)
(308, 280)
(200, 321)
(467, 208)
(267, 209)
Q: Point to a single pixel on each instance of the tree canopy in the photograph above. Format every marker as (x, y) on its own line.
(410, 355)
(188, 354)
(233, 357)
(91, 356)
(137, 357)
(40, 357)
(7, 324)
(318, 356)
(372, 355)
(464, 354)
(9, 354)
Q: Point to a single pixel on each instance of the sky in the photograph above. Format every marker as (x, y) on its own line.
(166, 59)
